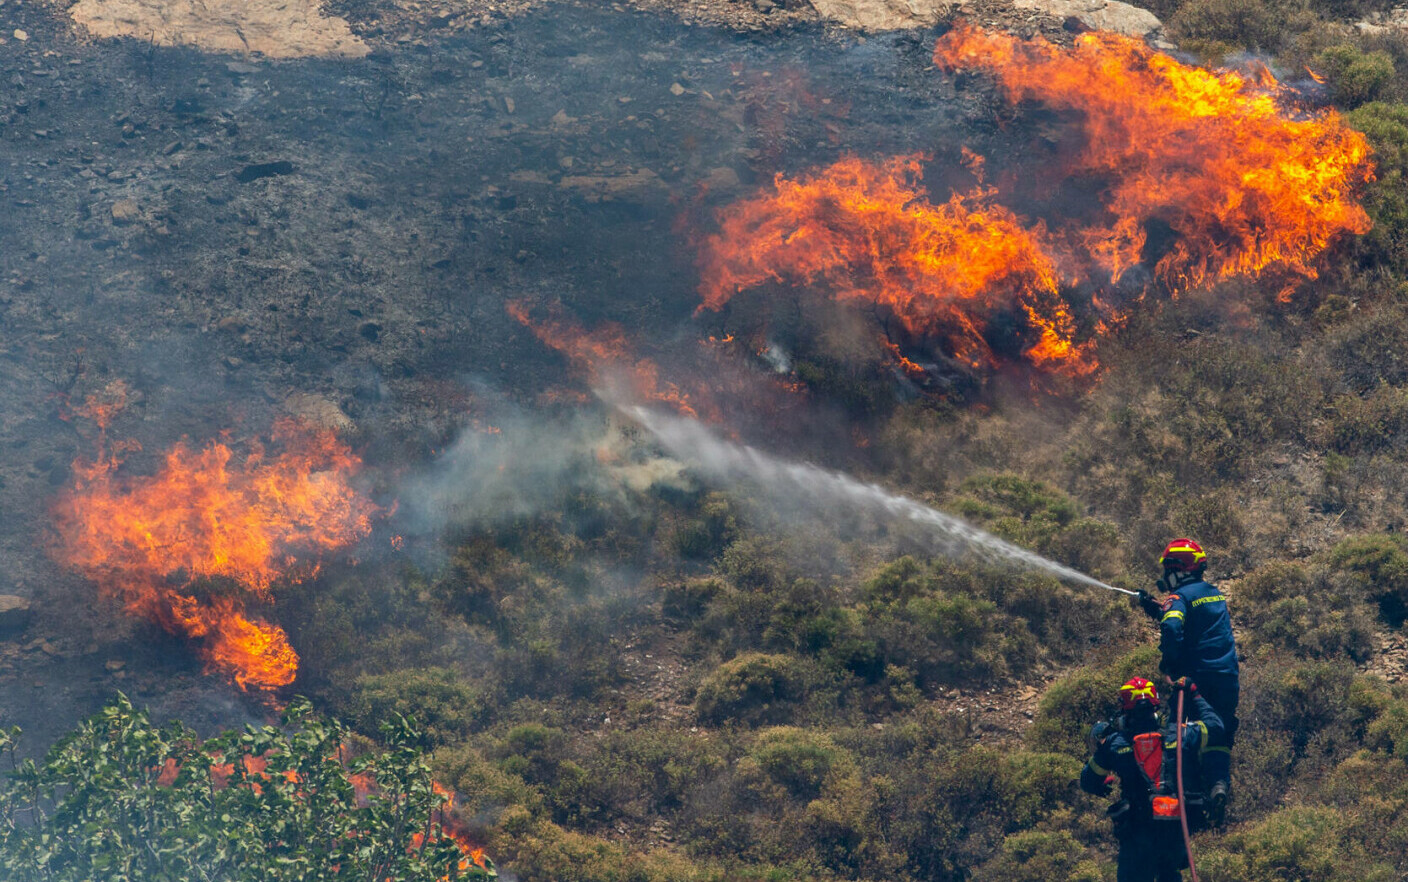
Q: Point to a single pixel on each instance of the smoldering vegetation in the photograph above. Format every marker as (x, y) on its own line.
(626, 668)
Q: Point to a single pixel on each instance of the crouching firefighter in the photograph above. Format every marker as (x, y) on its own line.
(1139, 752)
(1196, 642)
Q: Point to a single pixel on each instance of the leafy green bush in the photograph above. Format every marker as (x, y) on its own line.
(799, 760)
(754, 687)
(712, 526)
(1355, 76)
(122, 799)
(1298, 843)
(1302, 609)
(438, 700)
(1037, 516)
(1386, 127)
(1378, 565)
(1040, 856)
(1083, 697)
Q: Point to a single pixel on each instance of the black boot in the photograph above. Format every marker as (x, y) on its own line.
(1217, 804)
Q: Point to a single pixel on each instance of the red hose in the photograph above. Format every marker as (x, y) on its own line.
(1182, 804)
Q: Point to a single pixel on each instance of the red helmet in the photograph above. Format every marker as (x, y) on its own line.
(1136, 692)
(1184, 556)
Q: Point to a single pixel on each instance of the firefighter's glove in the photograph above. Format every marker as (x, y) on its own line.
(1106, 787)
(1186, 685)
(1151, 606)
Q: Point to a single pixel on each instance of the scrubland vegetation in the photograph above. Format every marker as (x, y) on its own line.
(652, 689)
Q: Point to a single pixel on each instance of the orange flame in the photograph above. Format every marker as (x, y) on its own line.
(1243, 182)
(870, 232)
(210, 514)
(604, 356)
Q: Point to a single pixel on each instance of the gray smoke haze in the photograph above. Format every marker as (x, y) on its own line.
(523, 463)
(800, 489)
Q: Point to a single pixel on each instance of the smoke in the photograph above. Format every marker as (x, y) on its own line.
(802, 488)
(518, 463)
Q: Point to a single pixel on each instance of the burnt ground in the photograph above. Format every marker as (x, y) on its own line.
(234, 239)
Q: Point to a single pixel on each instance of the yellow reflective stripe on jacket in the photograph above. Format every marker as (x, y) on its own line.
(1171, 614)
(1218, 749)
(1097, 768)
(1210, 599)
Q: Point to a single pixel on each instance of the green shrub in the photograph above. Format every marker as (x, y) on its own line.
(439, 700)
(1300, 608)
(712, 526)
(1302, 843)
(1083, 697)
(1355, 76)
(932, 619)
(1037, 516)
(1040, 856)
(685, 602)
(754, 687)
(1378, 565)
(120, 798)
(643, 773)
(1386, 127)
(799, 760)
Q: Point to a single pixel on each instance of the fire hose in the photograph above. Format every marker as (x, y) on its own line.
(1182, 803)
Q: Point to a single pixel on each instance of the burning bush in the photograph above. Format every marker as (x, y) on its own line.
(1245, 181)
(868, 230)
(211, 531)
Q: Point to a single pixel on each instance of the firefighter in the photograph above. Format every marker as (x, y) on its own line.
(1195, 640)
(1138, 751)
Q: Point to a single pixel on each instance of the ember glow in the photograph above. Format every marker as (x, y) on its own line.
(1245, 183)
(191, 545)
(869, 232)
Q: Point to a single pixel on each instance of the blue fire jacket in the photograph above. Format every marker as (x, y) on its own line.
(1196, 632)
(1114, 755)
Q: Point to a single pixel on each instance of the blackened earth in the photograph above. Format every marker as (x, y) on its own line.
(227, 236)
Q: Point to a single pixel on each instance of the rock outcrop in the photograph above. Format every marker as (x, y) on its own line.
(889, 15)
(272, 28)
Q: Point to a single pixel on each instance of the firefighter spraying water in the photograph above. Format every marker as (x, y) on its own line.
(1172, 766)
(1196, 642)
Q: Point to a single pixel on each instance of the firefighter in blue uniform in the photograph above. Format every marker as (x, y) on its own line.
(1196, 642)
(1138, 751)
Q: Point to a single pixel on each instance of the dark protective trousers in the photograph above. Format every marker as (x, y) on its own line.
(1153, 852)
(1222, 691)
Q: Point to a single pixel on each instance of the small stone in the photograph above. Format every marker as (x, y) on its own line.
(114, 665)
(125, 211)
(171, 148)
(509, 105)
(566, 161)
(21, 35)
(676, 89)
